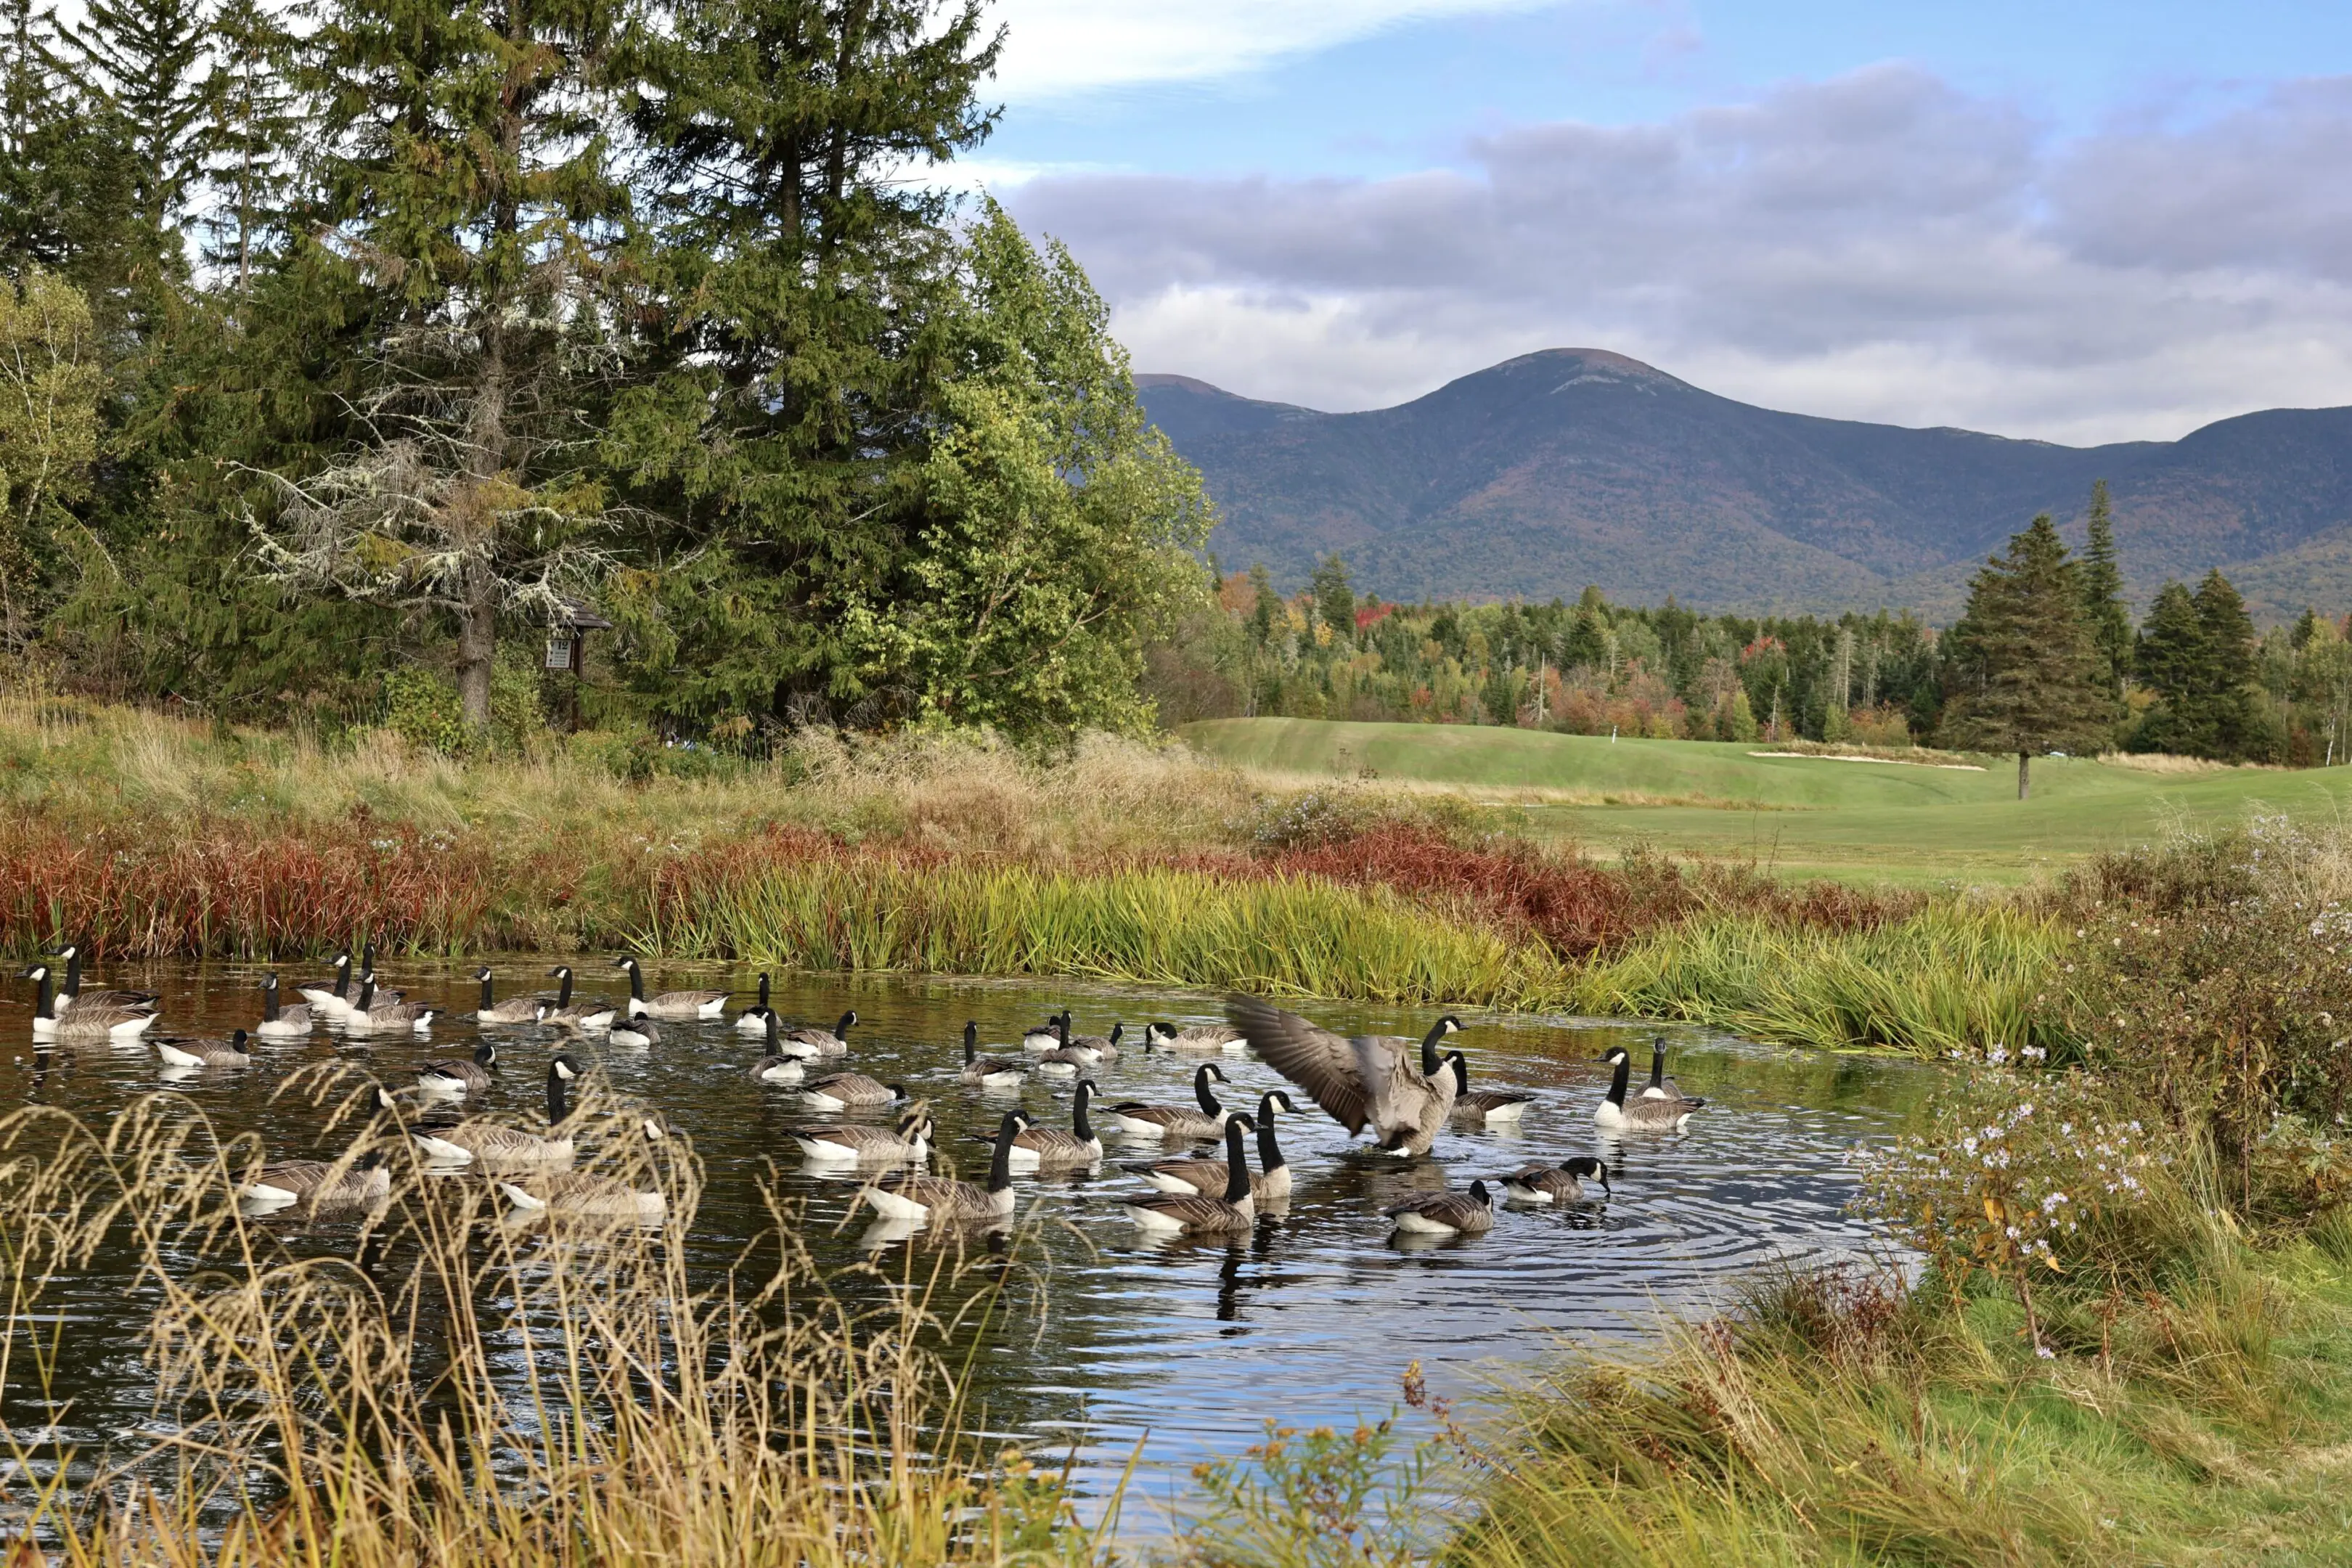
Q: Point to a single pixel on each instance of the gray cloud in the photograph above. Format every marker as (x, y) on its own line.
(1882, 246)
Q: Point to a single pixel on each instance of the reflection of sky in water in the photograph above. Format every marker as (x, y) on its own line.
(1311, 1319)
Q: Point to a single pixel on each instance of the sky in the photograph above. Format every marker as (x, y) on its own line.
(2074, 220)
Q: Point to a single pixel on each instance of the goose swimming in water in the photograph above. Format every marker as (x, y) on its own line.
(72, 995)
(1660, 1086)
(754, 1020)
(370, 1016)
(991, 1072)
(589, 1017)
(460, 1079)
(321, 1183)
(1196, 1214)
(913, 1195)
(1487, 1107)
(1051, 1149)
(675, 1006)
(494, 1144)
(1560, 1184)
(909, 1141)
(833, 1042)
(587, 1194)
(1446, 1214)
(228, 1053)
(1177, 1123)
(1270, 1183)
(1199, 1037)
(1641, 1113)
(513, 1010)
(280, 1023)
(330, 998)
(783, 1063)
(840, 1090)
(1365, 1081)
(91, 1024)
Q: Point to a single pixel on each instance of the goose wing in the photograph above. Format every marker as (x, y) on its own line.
(1206, 1177)
(1329, 1066)
(300, 1178)
(1192, 1213)
(1054, 1146)
(944, 1196)
(864, 1139)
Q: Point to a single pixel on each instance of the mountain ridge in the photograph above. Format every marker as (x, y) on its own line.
(1554, 469)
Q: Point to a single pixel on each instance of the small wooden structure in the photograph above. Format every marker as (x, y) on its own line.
(567, 646)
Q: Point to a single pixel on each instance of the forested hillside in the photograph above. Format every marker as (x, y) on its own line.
(1557, 470)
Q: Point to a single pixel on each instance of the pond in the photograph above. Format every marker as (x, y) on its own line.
(1188, 1348)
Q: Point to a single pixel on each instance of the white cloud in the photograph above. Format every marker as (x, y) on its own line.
(1057, 49)
(1881, 246)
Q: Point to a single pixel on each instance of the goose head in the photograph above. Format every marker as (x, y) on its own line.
(1275, 1100)
(1157, 1035)
(483, 973)
(1585, 1165)
(1614, 1054)
(565, 1066)
(36, 973)
(652, 1130)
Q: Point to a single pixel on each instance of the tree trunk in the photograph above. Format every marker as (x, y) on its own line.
(2022, 781)
(477, 647)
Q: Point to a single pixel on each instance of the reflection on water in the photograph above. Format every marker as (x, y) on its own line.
(1311, 1317)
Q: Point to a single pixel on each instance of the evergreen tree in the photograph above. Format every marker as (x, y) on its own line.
(795, 268)
(2228, 689)
(2028, 672)
(143, 60)
(254, 125)
(1334, 600)
(2103, 595)
(2170, 656)
(63, 181)
(466, 185)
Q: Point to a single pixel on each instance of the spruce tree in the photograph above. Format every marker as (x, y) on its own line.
(2228, 688)
(143, 60)
(2028, 672)
(1334, 600)
(2171, 655)
(2103, 594)
(254, 126)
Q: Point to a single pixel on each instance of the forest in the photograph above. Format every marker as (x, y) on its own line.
(346, 366)
(2194, 677)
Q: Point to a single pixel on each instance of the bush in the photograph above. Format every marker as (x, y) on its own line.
(423, 710)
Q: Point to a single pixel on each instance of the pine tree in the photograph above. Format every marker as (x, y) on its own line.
(1334, 600)
(254, 126)
(2228, 688)
(466, 182)
(2028, 673)
(2170, 656)
(2103, 595)
(144, 59)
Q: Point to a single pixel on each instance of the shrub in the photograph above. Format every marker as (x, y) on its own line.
(423, 710)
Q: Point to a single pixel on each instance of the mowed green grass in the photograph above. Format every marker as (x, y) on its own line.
(1803, 815)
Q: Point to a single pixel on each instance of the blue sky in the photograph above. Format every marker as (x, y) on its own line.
(2084, 221)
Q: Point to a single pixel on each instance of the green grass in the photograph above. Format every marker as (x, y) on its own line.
(1803, 815)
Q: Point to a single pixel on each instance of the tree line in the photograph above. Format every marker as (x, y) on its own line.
(2045, 658)
(379, 343)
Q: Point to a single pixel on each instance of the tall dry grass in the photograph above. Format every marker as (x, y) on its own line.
(454, 1386)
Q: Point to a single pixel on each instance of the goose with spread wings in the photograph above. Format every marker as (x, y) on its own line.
(1368, 1082)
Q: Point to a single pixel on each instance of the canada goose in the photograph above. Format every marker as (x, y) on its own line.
(1051, 1149)
(635, 1034)
(1066, 1058)
(833, 1042)
(86, 1025)
(588, 1017)
(586, 1194)
(1093, 1049)
(366, 1180)
(780, 1065)
(1047, 1036)
(513, 1010)
(1195, 1214)
(840, 1090)
(910, 1140)
(72, 995)
(1640, 1114)
(228, 1053)
(460, 1079)
(1269, 1185)
(672, 1004)
(464, 1142)
(280, 1023)
(1560, 1184)
(754, 1020)
(370, 1016)
(1487, 1105)
(991, 1072)
(914, 1195)
(1446, 1214)
(331, 999)
(1660, 1086)
(1177, 1123)
(1363, 1080)
(1199, 1037)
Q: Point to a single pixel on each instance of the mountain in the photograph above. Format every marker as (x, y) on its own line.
(1575, 465)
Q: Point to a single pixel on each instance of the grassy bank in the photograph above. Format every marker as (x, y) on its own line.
(1869, 822)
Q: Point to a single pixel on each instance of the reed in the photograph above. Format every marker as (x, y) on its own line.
(464, 1388)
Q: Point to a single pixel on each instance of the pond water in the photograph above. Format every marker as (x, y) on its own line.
(1188, 1348)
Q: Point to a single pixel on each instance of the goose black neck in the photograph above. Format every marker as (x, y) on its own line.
(44, 1005)
(841, 1027)
(764, 989)
(1269, 1157)
(342, 974)
(485, 992)
(1431, 1063)
(1208, 1102)
(1617, 1085)
(1079, 1124)
(1658, 1065)
(559, 1105)
(73, 971)
(367, 956)
(367, 993)
(772, 1040)
(270, 1000)
(563, 990)
(1062, 1031)
(636, 984)
(1000, 1164)
(1459, 1065)
(1237, 1175)
(485, 1053)
(971, 1043)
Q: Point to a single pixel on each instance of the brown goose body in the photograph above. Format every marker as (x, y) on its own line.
(842, 1090)
(495, 1145)
(679, 1007)
(1177, 1123)
(215, 1054)
(1269, 1184)
(1233, 1210)
(1642, 1113)
(1368, 1082)
(1560, 1184)
(925, 1199)
(992, 1072)
(364, 1181)
(1446, 1214)
(910, 1140)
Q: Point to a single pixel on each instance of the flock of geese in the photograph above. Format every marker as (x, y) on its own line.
(1399, 1092)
